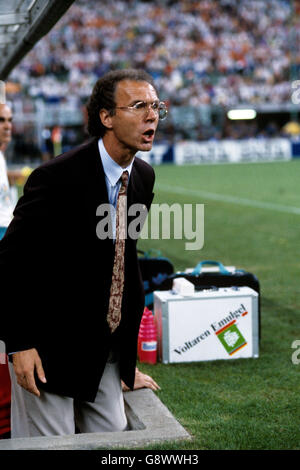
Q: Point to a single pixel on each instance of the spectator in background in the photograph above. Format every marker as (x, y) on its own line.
(6, 210)
(6, 205)
(201, 52)
(7, 178)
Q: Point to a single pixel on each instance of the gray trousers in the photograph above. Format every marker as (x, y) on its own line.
(52, 415)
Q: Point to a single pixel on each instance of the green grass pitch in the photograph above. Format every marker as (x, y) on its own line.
(252, 221)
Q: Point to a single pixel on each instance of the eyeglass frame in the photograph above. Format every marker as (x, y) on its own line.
(149, 105)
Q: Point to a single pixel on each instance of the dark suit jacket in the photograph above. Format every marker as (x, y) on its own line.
(56, 273)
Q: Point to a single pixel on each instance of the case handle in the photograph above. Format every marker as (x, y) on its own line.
(199, 266)
(152, 253)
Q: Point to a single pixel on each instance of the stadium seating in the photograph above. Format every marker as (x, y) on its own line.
(200, 52)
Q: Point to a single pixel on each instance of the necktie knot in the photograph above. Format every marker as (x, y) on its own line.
(124, 178)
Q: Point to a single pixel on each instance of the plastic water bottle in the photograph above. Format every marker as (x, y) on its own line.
(147, 339)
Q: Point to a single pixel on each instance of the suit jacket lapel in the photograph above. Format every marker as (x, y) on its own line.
(136, 192)
(97, 174)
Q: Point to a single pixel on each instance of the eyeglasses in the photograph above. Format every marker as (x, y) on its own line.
(142, 107)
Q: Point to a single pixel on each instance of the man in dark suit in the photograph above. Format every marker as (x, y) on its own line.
(73, 330)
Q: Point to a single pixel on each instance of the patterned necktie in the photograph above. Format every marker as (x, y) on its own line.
(117, 282)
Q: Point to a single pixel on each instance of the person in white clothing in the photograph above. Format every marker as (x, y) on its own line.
(6, 206)
(7, 177)
(6, 213)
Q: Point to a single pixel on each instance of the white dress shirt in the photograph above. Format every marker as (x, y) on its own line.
(113, 173)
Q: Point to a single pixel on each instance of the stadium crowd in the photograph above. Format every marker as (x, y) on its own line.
(216, 52)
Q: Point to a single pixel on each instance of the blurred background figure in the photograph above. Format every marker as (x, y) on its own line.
(6, 177)
(8, 199)
(6, 209)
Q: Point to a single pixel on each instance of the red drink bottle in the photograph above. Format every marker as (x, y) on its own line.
(147, 339)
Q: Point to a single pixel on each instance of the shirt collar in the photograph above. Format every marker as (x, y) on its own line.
(112, 170)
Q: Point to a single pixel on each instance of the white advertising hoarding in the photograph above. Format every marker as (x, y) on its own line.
(222, 151)
(232, 151)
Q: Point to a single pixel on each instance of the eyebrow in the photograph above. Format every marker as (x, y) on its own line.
(144, 101)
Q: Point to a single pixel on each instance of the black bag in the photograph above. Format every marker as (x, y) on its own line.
(222, 278)
(155, 270)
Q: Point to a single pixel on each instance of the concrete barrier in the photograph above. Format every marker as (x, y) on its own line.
(149, 420)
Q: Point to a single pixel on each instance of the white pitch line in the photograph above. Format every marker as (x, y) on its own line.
(230, 199)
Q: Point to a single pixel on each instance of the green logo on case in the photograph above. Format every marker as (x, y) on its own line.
(231, 338)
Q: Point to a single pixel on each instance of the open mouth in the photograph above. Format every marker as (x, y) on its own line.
(149, 133)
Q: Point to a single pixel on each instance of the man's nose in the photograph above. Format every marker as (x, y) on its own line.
(151, 114)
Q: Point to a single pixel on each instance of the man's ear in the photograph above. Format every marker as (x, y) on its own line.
(105, 118)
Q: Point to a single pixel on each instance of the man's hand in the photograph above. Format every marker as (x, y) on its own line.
(142, 381)
(25, 363)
